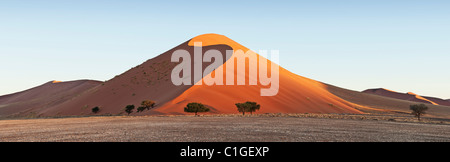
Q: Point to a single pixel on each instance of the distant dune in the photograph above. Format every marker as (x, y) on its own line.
(371, 102)
(35, 100)
(408, 96)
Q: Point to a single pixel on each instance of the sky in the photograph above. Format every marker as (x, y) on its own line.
(402, 45)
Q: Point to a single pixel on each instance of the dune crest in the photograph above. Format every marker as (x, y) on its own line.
(422, 98)
(217, 39)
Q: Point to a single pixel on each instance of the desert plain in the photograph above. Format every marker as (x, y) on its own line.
(227, 128)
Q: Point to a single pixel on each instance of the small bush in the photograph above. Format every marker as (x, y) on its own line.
(146, 104)
(418, 110)
(195, 107)
(248, 107)
(129, 109)
(140, 109)
(95, 110)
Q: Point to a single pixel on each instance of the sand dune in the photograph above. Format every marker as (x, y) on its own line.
(34, 100)
(151, 80)
(410, 96)
(148, 81)
(296, 94)
(438, 100)
(379, 103)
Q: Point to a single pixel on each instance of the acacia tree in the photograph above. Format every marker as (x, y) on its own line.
(248, 107)
(146, 104)
(129, 109)
(418, 110)
(95, 110)
(140, 109)
(195, 107)
(242, 107)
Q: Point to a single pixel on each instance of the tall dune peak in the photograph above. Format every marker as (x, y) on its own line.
(56, 81)
(216, 39)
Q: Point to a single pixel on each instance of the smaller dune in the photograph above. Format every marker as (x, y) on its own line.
(410, 96)
(40, 98)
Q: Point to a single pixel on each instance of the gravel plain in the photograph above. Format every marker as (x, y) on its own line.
(218, 129)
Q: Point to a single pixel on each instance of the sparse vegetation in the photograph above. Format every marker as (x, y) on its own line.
(195, 107)
(418, 110)
(140, 109)
(129, 109)
(95, 110)
(247, 107)
(146, 104)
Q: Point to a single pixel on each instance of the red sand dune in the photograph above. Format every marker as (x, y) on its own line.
(34, 100)
(151, 80)
(407, 96)
(438, 100)
(296, 94)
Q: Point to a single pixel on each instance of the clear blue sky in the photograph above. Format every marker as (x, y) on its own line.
(403, 45)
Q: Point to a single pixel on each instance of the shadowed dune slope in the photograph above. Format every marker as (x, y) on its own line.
(37, 99)
(148, 81)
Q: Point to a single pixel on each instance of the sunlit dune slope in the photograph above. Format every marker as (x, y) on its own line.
(296, 94)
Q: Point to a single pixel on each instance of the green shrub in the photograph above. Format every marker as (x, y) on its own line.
(195, 107)
(140, 109)
(129, 109)
(247, 107)
(95, 110)
(148, 104)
